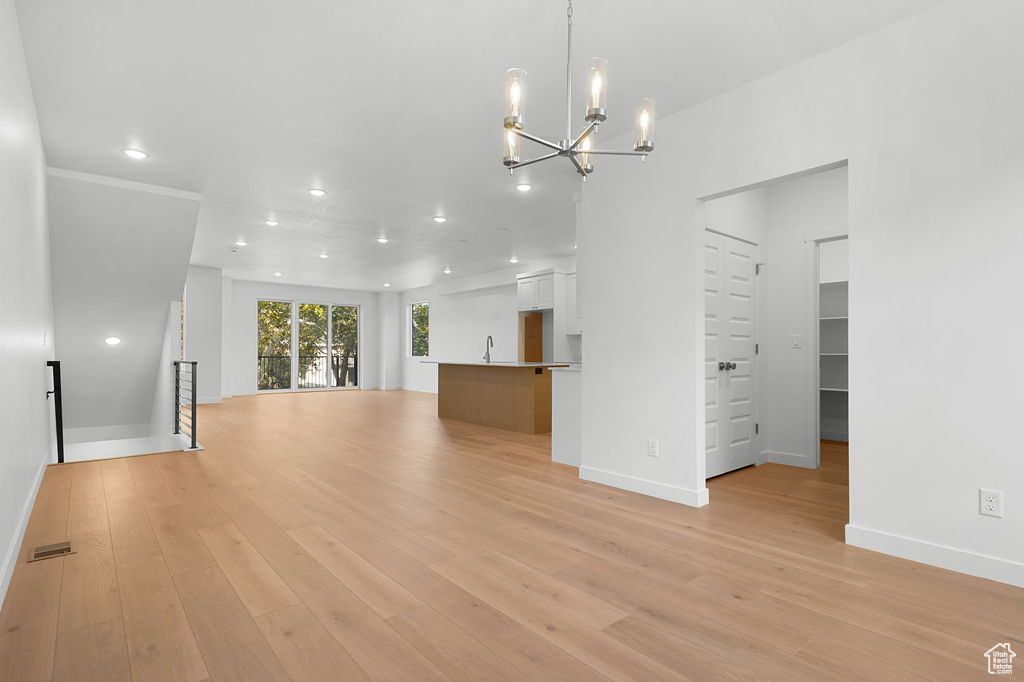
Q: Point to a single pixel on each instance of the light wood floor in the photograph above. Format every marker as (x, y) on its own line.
(352, 535)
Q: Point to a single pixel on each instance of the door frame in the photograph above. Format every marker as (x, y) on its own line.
(814, 252)
(756, 359)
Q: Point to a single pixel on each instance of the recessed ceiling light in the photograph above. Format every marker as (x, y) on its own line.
(278, 274)
(447, 271)
(317, 192)
(382, 239)
(112, 340)
(440, 219)
(575, 246)
(387, 284)
(136, 154)
(524, 187)
(323, 255)
(240, 242)
(271, 222)
(513, 259)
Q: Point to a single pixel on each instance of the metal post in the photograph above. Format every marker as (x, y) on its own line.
(193, 429)
(568, 76)
(177, 398)
(58, 408)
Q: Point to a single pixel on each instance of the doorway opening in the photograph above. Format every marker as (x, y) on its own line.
(776, 363)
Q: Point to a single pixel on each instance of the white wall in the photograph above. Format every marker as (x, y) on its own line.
(464, 311)
(928, 115)
(203, 320)
(161, 418)
(240, 342)
(225, 335)
(391, 340)
(798, 212)
(26, 332)
(834, 261)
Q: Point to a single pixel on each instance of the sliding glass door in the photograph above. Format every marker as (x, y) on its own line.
(273, 345)
(324, 341)
(344, 345)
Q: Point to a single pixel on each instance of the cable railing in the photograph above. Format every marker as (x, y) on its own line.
(185, 399)
(314, 371)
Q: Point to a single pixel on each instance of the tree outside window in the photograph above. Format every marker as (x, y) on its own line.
(420, 329)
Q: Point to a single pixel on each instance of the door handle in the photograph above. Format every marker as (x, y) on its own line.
(721, 367)
(730, 365)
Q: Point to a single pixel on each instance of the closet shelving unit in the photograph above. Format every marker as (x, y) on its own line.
(834, 364)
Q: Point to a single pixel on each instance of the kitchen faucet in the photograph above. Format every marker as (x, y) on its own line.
(487, 350)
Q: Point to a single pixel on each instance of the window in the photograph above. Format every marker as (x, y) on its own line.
(274, 345)
(420, 329)
(325, 345)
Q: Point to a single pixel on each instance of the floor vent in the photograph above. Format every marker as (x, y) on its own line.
(50, 551)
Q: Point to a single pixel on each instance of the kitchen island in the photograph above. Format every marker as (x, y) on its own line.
(508, 395)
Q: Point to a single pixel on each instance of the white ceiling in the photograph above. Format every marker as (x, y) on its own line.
(393, 107)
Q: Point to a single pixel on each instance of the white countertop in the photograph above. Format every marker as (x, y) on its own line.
(495, 363)
(572, 367)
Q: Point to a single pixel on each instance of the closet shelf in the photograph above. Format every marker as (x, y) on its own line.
(844, 317)
(839, 354)
(838, 390)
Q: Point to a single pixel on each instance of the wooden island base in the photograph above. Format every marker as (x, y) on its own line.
(508, 396)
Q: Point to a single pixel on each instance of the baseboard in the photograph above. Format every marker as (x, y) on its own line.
(788, 458)
(827, 434)
(11, 559)
(672, 493)
(960, 560)
(207, 401)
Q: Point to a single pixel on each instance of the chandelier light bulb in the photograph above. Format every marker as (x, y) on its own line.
(515, 81)
(644, 135)
(447, 271)
(511, 148)
(597, 102)
(585, 146)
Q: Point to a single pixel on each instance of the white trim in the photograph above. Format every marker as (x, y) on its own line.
(207, 401)
(787, 458)
(943, 556)
(672, 493)
(123, 184)
(11, 558)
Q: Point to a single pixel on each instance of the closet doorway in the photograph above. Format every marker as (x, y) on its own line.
(776, 322)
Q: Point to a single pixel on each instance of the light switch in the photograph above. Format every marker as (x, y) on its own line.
(797, 341)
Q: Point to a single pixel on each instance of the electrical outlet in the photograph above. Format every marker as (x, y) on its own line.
(990, 502)
(652, 448)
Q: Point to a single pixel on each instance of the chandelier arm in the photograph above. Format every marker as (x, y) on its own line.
(586, 133)
(538, 140)
(537, 160)
(615, 153)
(579, 168)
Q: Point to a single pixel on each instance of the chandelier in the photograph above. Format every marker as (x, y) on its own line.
(578, 150)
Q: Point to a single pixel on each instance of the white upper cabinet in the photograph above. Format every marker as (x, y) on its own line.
(528, 294)
(536, 293)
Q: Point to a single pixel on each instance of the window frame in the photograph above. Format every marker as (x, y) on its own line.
(294, 371)
(410, 350)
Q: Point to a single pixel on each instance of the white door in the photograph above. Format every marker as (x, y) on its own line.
(729, 287)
